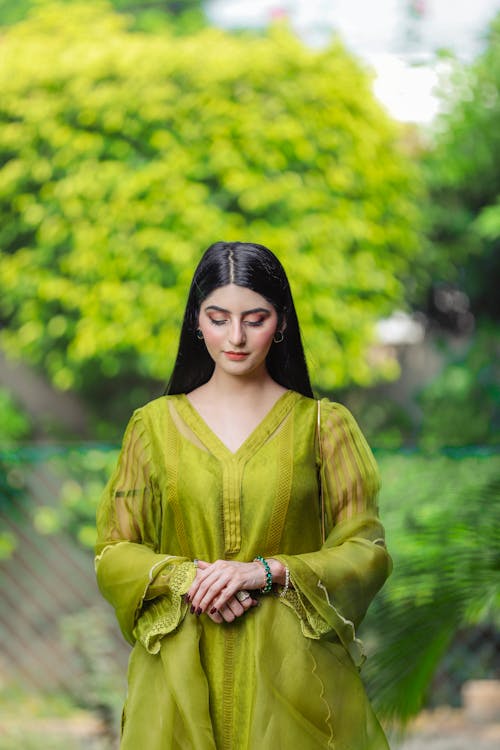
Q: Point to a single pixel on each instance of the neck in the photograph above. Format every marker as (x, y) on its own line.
(232, 387)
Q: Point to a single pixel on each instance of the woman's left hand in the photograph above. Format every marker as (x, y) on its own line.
(217, 583)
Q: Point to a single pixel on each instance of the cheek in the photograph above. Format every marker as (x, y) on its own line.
(264, 339)
(212, 335)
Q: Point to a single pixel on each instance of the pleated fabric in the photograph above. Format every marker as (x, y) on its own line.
(286, 674)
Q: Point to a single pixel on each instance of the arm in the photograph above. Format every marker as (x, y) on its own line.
(333, 587)
(141, 584)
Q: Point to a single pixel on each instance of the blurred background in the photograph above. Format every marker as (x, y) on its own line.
(360, 141)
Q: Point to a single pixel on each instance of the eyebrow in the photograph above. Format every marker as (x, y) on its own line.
(216, 308)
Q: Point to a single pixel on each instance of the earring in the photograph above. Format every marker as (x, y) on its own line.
(199, 334)
(278, 337)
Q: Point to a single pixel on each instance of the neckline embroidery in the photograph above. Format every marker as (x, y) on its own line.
(259, 434)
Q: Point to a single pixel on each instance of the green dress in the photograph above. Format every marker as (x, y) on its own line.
(285, 674)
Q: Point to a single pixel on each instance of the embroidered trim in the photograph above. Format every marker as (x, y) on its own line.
(283, 490)
(151, 575)
(228, 689)
(162, 615)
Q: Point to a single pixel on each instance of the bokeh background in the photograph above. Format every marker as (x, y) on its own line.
(361, 142)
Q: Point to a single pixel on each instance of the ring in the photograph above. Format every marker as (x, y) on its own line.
(242, 595)
(195, 562)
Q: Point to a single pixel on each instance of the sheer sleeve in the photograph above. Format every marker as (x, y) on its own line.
(143, 586)
(333, 587)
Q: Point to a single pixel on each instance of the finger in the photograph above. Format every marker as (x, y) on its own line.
(214, 592)
(205, 577)
(203, 565)
(216, 617)
(247, 603)
(227, 593)
(227, 614)
(236, 608)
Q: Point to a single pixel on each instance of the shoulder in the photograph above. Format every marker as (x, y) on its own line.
(335, 411)
(150, 414)
(338, 422)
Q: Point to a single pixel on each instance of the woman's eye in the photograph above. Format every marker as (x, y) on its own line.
(254, 323)
(217, 322)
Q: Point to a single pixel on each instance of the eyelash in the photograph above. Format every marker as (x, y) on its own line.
(252, 324)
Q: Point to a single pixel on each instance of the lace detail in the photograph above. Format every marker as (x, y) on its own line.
(311, 623)
(314, 626)
(162, 615)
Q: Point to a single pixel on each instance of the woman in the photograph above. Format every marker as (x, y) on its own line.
(210, 531)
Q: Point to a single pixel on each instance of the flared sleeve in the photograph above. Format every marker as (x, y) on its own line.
(333, 587)
(144, 587)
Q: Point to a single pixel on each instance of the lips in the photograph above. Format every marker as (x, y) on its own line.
(236, 356)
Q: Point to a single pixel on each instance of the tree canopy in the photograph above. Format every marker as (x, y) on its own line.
(185, 14)
(464, 181)
(124, 155)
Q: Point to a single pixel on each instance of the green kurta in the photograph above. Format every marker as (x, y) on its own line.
(285, 674)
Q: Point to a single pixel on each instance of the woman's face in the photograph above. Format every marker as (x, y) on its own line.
(238, 326)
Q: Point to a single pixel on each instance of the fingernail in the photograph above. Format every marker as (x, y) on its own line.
(213, 610)
(198, 611)
(191, 609)
(188, 598)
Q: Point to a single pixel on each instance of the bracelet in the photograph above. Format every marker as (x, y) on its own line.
(287, 582)
(269, 576)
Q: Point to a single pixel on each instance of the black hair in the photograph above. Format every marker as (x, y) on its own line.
(254, 267)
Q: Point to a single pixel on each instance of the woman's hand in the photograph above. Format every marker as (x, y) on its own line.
(214, 588)
(233, 609)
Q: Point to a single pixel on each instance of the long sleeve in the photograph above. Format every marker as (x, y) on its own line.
(333, 587)
(144, 587)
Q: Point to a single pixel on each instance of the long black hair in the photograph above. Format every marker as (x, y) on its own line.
(254, 267)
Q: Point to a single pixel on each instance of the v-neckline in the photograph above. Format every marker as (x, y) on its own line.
(216, 445)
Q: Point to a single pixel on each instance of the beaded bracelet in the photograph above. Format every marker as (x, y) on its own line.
(269, 576)
(287, 582)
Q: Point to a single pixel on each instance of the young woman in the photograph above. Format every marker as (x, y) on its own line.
(238, 538)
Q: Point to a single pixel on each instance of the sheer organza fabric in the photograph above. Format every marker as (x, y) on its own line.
(286, 674)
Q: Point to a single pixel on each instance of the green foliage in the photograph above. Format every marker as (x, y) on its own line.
(83, 473)
(88, 635)
(184, 15)
(14, 422)
(462, 405)
(463, 173)
(443, 519)
(123, 155)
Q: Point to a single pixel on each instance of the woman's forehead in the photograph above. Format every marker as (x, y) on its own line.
(235, 299)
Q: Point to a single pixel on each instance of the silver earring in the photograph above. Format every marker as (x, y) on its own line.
(278, 337)
(199, 334)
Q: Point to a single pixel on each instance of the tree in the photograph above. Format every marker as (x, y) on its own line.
(464, 181)
(123, 155)
(442, 519)
(186, 14)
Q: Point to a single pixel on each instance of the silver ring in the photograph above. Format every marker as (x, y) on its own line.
(195, 562)
(242, 595)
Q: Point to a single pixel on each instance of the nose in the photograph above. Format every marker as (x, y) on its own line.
(236, 333)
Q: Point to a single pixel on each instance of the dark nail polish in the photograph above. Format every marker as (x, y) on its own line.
(188, 598)
(198, 611)
(213, 610)
(191, 609)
